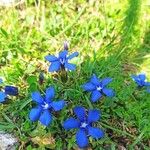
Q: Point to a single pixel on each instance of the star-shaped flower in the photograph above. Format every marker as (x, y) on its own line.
(62, 61)
(44, 106)
(98, 88)
(8, 90)
(140, 80)
(84, 124)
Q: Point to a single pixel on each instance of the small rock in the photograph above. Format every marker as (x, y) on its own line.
(7, 141)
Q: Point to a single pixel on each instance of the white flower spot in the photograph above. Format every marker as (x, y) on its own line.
(83, 125)
(45, 106)
(99, 88)
(62, 61)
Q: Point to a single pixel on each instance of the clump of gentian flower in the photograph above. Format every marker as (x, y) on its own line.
(84, 124)
(8, 90)
(98, 88)
(62, 61)
(45, 105)
(141, 81)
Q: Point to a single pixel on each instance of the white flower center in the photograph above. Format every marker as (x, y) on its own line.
(45, 106)
(83, 125)
(62, 61)
(99, 88)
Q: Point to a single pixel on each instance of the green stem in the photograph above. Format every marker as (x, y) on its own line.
(138, 139)
(117, 130)
(89, 102)
(63, 75)
(11, 122)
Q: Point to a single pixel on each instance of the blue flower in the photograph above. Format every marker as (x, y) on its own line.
(84, 125)
(140, 80)
(11, 90)
(44, 106)
(8, 90)
(62, 61)
(98, 87)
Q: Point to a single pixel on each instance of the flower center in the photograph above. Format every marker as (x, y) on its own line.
(62, 61)
(99, 88)
(45, 106)
(83, 125)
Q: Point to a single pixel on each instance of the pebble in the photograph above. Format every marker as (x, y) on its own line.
(7, 141)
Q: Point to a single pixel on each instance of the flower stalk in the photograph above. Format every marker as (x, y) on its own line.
(63, 75)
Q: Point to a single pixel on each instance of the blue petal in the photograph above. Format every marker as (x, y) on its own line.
(95, 80)
(138, 80)
(135, 78)
(11, 90)
(51, 58)
(106, 81)
(50, 93)
(93, 115)
(95, 132)
(142, 77)
(75, 54)
(36, 96)
(70, 66)
(95, 96)
(35, 113)
(46, 118)
(108, 92)
(58, 105)
(2, 96)
(55, 66)
(88, 86)
(147, 84)
(81, 139)
(71, 123)
(63, 54)
(80, 112)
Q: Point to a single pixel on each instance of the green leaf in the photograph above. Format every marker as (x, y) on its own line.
(32, 80)
(3, 32)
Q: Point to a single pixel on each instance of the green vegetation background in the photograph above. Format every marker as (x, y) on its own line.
(113, 39)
